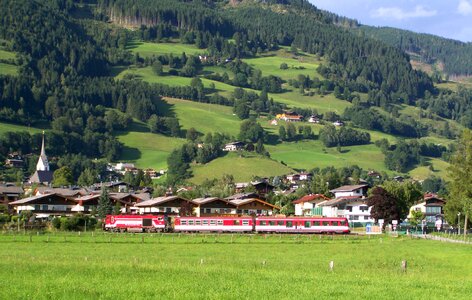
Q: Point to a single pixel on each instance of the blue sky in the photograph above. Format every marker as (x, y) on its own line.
(447, 18)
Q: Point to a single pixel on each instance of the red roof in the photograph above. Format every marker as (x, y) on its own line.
(311, 197)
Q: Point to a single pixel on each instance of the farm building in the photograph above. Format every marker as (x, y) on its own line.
(234, 146)
(9, 193)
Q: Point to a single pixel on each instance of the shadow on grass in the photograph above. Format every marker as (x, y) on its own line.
(131, 154)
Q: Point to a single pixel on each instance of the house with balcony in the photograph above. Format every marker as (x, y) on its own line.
(213, 206)
(166, 205)
(432, 206)
(45, 205)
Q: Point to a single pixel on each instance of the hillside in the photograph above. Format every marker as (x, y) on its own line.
(142, 81)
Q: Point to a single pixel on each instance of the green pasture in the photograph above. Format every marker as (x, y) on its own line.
(7, 69)
(311, 154)
(146, 149)
(270, 65)
(243, 167)
(205, 117)
(140, 266)
(149, 49)
(7, 127)
(439, 169)
(4, 54)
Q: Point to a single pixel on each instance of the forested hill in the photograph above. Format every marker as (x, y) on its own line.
(452, 57)
(363, 64)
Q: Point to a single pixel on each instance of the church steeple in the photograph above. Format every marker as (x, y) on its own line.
(43, 164)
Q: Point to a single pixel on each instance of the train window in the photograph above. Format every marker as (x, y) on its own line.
(325, 223)
(205, 222)
(280, 223)
(271, 223)
(307, 224)
(245, 222)
(263, 223)
(183, 222)
(343, 223)
(219, 222)
(198, 222)
(236, 222)
(190, 222)
(316, 223)
(212, 222)
(289, 223)
(335, 223)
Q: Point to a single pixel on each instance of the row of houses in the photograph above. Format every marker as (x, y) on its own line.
(350, 201)
(50, 202)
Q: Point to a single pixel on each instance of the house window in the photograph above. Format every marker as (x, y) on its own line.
(354, 218)
(208, 210)
(86, 208)
(37, 207)
(366, 218)
(44, 207)
(239, 211)
(259, 211)
(349, 208)
(433, 210)
(246, 211)
(363, 208)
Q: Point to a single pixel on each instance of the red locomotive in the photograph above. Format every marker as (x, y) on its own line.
(122, 223)
(151, 223)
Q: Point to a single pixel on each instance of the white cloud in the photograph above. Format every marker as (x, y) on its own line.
(464, 8)
(399, 14)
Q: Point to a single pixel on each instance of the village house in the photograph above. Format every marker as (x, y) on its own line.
(125, 201)
(262, 187)
(45, 205)
(213, 206)
(338, 123)
(289, 117)
(167, 204)
(314, 119)
(9, 193)
(308, 205)
(295, 178)
(432, 206)
(14, 160)
(254, 206)
(234, 146)
(350, 201)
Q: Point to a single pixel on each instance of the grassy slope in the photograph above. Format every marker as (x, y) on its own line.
(217, 267)
(242, 168)
(7, 127)
(148, 49)
(302, 155)
(7, 69)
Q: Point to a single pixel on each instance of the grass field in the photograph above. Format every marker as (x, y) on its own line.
(7, 69)
(242, 168)
(4, 54)
(146, 149)
(7, 127)
(149, 49)
(226, 267)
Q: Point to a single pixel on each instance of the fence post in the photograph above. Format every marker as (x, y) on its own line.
(404, 265)
(331, 266)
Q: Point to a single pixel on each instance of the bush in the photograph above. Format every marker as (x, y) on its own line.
(283, 66)
(4, 218)
(56, 223)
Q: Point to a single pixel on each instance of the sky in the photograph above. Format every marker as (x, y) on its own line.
(446, 18)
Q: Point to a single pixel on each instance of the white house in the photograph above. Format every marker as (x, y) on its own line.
(358, 190)
(314, 119)
(338, 123)
(309, 205)
(432, 206)
(234, 146)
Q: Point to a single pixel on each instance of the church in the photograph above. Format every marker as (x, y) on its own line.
(43, 174)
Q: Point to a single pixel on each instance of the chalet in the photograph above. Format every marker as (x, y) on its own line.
(432, 206)
(167, 205)
(309, 205)
(374, 174)
(45, 205)
(293, 178)
(254, 206)
(88, 203)
(69, 193)
(114, 186)
(289, 117)
(211, 206)
(14, 160)
(262, 187)
(234, 146)
(9, 193)
(359, 190)
(338, 123)
(241, 196)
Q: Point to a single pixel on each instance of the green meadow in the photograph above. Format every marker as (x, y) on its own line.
(140, 266)
(7, 69)
(149, 49)
(7, 127)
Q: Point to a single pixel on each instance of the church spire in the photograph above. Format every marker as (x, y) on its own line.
(43, 164)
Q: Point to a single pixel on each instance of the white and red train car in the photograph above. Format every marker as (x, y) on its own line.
(149, 223)
(261, 224)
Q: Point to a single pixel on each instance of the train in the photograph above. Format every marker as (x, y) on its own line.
(163, 223)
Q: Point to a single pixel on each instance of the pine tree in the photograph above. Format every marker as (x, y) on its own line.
(104, 204)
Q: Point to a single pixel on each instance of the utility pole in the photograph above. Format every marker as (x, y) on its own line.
(459, 223)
